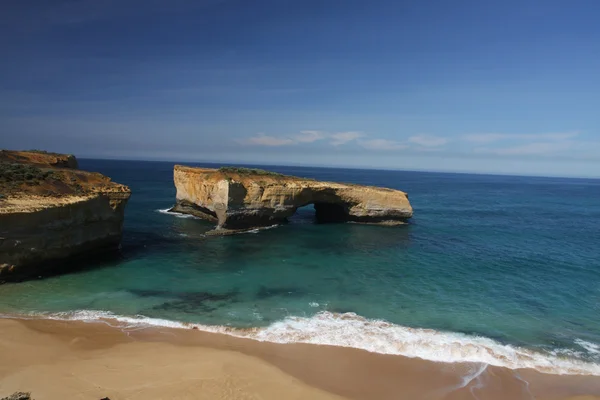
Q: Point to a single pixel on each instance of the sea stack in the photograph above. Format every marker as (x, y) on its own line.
(50, 212)
(241, 198)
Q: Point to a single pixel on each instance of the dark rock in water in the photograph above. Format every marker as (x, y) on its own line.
(18, 396)
(186, 302)
(239, 199)
(184, 307)
(199, 297)
(150, 293)
(266, 292)
(190, 297)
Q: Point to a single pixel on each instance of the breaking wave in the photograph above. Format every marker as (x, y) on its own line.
(175, 214)
(352, 330)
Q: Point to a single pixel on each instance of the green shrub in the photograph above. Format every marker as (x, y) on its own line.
(15, 173)
(248, 171)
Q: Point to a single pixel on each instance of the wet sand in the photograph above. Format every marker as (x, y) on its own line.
(77, 360)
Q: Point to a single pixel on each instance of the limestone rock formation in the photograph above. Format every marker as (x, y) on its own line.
(51, 211)
(239, 198)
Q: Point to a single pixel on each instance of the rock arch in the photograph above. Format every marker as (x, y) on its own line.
(237, 198)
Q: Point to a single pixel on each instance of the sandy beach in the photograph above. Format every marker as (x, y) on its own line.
(78, 360)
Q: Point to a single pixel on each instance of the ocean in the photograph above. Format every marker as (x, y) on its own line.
(502, 270)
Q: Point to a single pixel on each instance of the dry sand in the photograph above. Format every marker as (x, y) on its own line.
(77, 360)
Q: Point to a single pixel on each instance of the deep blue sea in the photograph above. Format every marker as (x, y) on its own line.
(496, 269)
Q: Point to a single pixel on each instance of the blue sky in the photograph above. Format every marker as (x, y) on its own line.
(479, 86)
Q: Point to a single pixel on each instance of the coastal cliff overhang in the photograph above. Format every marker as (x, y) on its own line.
(52, 212)
(239, 198)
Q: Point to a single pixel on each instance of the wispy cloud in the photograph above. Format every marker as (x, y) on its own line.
(428, 140)
(382, 145)
(271, 141)
(423, 142)
(523, 144)
(261, 139)
(309, 136)
(495, 137)
(340, 138)
(537, 148)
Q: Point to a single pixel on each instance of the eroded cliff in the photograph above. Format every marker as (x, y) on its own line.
(237, 198)
(50, 211)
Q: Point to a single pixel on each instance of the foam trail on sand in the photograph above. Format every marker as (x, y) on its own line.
(351, 330)
(473, 372)
(473, 375)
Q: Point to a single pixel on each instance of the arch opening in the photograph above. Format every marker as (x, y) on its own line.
(319, 213)
(330, 213)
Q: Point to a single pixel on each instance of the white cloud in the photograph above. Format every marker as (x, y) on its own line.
(525, 144)
(494, 137)
(537, 148)
(309, 136)
(266, 140)
(428, 140)
(263, 140)
(382, 145)
(340, 138)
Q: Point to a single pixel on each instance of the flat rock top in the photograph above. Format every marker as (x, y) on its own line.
(40, 158)
(31, 180)
(249, 176)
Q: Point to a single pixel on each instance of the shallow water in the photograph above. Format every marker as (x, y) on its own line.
(488, 262)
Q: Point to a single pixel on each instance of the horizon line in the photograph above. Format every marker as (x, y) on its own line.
(389, 169)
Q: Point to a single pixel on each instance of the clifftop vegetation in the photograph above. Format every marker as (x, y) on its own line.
(249, 171)
(15, 174)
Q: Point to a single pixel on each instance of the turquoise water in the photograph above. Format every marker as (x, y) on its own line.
(496, 262)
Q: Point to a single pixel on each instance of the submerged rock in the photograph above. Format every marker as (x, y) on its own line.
(240, 198)
(50, 211)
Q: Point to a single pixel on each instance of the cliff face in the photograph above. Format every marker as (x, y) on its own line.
(50, 211)
(241, 199)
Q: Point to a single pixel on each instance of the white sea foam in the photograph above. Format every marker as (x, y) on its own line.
(262, 228)
(590, 347)
(175, 214)
(180, 215)
(351, 330)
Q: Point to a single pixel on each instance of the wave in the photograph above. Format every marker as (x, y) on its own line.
(592, 348)
(176, 214)
(262, 228)
(180, 215)
(352, 330)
